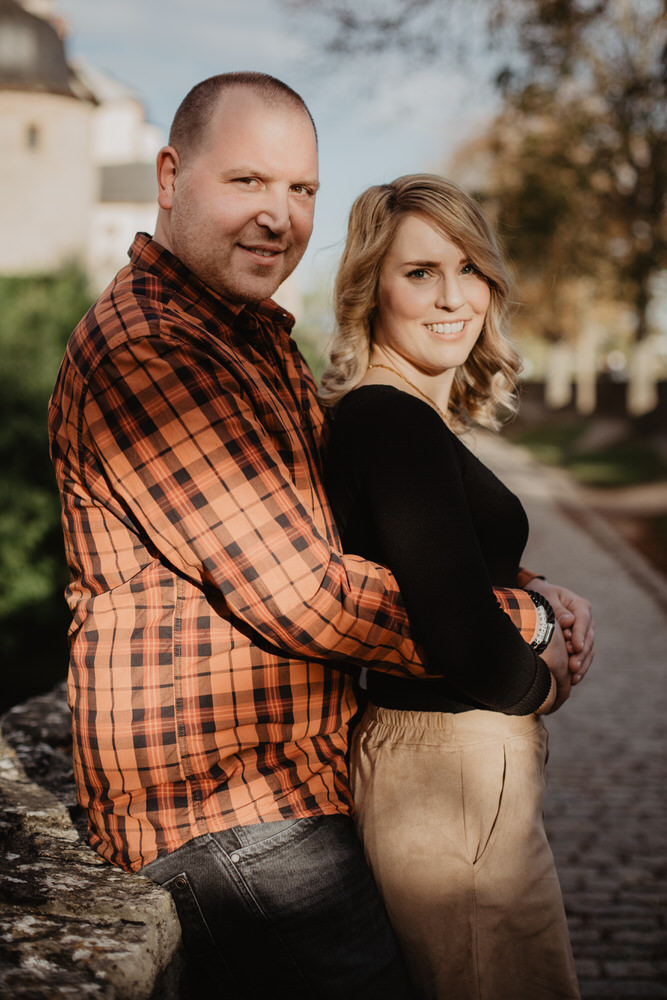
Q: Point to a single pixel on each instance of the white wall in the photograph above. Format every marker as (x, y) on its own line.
(47, 190)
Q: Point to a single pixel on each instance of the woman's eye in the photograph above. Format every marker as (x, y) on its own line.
(469, 269)
(418, 274)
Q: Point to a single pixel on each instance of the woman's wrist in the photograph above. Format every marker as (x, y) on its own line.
(550, 699)
(546, 622)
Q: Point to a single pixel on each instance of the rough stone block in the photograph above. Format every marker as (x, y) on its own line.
(70, 924)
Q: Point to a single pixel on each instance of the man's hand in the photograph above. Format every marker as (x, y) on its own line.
(574, 615)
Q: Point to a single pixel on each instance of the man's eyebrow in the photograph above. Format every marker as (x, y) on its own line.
(242, 170)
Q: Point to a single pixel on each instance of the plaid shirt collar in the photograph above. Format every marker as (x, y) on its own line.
(147, 255)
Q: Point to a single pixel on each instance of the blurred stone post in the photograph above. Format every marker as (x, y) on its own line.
(558, 375)
(642, 395)
(586, 369)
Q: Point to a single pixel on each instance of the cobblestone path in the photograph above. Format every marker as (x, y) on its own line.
(606, 805)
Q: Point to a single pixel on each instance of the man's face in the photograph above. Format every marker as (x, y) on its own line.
(240, 210)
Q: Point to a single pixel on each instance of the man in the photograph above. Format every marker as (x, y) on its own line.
(209, 594)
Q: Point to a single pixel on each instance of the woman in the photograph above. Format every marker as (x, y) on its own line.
(448, 773)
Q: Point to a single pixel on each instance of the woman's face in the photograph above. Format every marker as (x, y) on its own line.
(431, 301)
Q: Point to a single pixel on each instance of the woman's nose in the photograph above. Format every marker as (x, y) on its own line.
(450, 294)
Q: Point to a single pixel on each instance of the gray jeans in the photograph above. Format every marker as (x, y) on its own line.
(286, 909)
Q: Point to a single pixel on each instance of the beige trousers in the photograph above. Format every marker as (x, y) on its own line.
(449, 810)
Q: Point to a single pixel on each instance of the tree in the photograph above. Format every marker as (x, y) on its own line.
(597, 73)
(579, 151)
(36, 317)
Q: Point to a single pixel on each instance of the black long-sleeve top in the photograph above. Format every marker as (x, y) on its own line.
(408, 494)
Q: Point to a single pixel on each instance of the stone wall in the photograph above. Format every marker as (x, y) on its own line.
(70, 924)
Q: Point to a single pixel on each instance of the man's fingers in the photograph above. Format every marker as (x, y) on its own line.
(583, 625)
(581, 660)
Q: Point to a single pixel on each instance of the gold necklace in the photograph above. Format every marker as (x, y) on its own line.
(413, 386)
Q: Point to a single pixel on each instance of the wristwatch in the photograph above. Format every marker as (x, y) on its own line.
(546, 622)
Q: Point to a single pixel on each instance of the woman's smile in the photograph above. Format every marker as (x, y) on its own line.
(431, 307)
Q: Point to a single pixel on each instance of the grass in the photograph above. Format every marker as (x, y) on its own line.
(630, 461)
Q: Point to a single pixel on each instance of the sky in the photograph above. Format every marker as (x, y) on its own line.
(377, 118)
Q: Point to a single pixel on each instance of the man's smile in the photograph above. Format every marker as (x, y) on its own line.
(268, 253)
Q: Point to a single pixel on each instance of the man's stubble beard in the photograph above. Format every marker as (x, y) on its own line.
(217, 271)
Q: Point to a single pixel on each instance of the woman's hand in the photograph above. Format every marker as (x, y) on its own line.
(557, 658)
(574, 615)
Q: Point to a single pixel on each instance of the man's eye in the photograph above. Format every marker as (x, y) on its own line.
(302, 189)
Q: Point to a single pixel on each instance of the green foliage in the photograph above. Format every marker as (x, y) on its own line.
(313, 331)
(310, 345)
(37, 315)
(588, 150)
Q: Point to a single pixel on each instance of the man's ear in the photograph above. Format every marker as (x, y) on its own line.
(168, 166)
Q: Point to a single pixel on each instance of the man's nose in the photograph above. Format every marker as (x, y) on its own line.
(275, 211)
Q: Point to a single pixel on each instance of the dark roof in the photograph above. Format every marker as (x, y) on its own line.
(32, 55)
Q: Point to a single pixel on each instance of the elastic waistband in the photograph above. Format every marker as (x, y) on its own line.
(454, 728)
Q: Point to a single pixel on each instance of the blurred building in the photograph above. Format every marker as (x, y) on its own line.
(77, 170)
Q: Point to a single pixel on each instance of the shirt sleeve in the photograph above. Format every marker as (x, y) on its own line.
(526, 575)
(519, 607)
(410, 479)
(204, 486)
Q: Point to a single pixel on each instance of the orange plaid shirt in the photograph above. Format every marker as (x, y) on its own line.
(210, 599)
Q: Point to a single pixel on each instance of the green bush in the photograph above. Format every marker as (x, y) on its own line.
(37, 315)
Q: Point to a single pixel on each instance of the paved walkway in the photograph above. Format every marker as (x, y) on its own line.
(606, 807)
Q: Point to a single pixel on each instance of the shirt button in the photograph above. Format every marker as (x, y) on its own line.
(235, 858)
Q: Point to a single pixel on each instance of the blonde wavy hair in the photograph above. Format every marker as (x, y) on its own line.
(486, 384)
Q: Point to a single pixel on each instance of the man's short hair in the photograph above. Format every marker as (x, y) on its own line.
(193, 116)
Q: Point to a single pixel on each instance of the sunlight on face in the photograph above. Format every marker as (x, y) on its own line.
(241, 213)
(432, 303)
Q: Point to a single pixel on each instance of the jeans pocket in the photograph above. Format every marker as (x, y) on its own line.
(197, 936)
